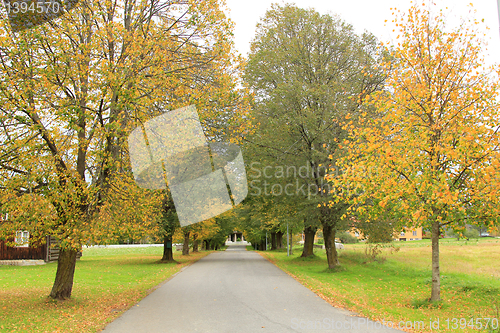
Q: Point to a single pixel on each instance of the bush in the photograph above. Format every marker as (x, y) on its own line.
(471, 233)
(372, 252)
(451, 233)
(320, 241)
(347, 238)
(378, 231)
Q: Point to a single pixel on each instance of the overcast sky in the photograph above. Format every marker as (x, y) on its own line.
(362, 14)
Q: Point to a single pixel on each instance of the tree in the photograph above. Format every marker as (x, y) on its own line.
(268, 208)
(380, 230)
(225, 225)
(311, 226)
(169, 223)
(308, 71)
(186, 231)
(197, 231)
(74, 88)
(249, 219)
(129, 213)
(429, 155)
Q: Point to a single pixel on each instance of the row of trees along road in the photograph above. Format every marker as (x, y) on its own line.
(70, 92)
(409, 133)
(308, 73)
(210, 234)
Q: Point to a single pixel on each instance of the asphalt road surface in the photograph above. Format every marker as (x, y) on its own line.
(237, 291)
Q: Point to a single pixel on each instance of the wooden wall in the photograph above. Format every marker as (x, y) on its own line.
(40, 252)
(13, 253)
(53, 250)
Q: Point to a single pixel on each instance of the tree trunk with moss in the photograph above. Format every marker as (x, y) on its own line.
(195, 242)
(309, 233)
(279, 240)
(331, 252)
(168, 255)
(185, 246)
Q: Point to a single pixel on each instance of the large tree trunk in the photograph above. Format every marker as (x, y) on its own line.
(195, 242)
(279, 240)
(309, 233)
(167, 249)
(273, 241)
(63, 283)
(436, 282)
(263, 245)
(185, 246)
(331, 252)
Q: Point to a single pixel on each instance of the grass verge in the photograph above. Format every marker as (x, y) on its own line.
(107, 282)
(397, 288)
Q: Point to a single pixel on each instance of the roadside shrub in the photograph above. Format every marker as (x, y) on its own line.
(347, 238)
(471, 233)
(373, 251)
(451, 233)
(378, 231)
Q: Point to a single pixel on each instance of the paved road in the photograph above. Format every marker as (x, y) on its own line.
(237, 291)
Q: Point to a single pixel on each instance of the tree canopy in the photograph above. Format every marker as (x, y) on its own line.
(429, 154)
(309, 72)
(73, 89)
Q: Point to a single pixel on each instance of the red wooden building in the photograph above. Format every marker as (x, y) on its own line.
(48, 251)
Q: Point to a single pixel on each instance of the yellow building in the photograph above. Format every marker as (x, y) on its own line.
(405, 235)
(409, 234)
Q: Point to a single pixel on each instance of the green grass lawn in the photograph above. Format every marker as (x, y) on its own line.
(107, 282)
(396, 288)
